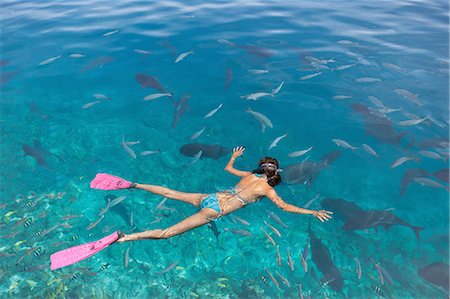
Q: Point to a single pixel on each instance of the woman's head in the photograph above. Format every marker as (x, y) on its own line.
(269, 167)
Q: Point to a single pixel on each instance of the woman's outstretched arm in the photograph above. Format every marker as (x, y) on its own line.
(237, 151)
(322, 215)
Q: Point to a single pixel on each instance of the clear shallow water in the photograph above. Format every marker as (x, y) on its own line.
(402, 45)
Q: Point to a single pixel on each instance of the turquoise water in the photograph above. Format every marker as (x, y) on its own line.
(75, 110)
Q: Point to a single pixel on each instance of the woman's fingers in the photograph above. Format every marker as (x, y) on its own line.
(323, 215)
(239, 149)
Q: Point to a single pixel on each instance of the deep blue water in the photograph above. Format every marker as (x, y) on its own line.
(72, 112)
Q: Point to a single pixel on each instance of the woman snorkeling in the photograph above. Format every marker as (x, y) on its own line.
(252, 187)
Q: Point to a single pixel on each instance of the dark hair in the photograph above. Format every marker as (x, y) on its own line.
(274, 178)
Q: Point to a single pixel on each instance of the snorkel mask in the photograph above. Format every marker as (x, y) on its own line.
(270, 165)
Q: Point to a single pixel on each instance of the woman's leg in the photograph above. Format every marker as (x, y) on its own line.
(196, 220)
(192, 198)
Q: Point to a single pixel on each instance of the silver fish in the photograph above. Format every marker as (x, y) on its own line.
(276, 231)
(183, 55)
(196, 157)
(431, 155)
(344, 67)
(358, 267)
(278, 256)
(271, 240)
(283, 279)
(369, 150)
(401, 160)
(300, 153)
(242, 221)
(144, 52)
(303, 258)
(394, 67)
(146, 153)
(170, 267)
(105, 209)
(290, 262)
(311, 201)
(94, 224)
(127, 148)
(116, 201)
(376, 101)
(367, 80)
(412, 122)
(132, 219)
(110, 32)
(50, 60)
(414, 98)
(275, 282)
(343, 144)
(130, 143)
(90, 104)
(341, 97)
(387, 110)
(126, 257)
(157, 96)
(197, 134)
(241, 232)
(276, 218)
(310, 76)
(276, 90)
(265, 122)
(102, 97)
(258, 71)
(225, 42)
(430, 183)
(276, 140)
(212, 112)
(255, 96)
(76, 55)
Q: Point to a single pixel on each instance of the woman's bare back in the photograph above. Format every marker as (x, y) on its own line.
(250, 189)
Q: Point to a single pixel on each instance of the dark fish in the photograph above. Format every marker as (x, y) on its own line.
(74, 276)
(6, 76)
(35, 268)
(257, 51)
(212, 151)
(442, 174)
(35, 152)
(38, 252)
(213, 227)
(4, 62)
(180, 109)
(437, 273)
(73, 238)
(439, 142)
(379, 291)
(341, 208)
(374, 218)
(120, 210)
(104, 266)
(306, 172)
(379, 127)
(323, 261)
(409, 177)
(149, 81)
(229, 78)
(97, 62)
(28, 222)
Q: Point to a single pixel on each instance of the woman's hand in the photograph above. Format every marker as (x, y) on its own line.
(322, 215)
(238, 151)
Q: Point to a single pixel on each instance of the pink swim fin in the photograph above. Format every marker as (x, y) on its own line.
(78, 253)
(106, 181)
